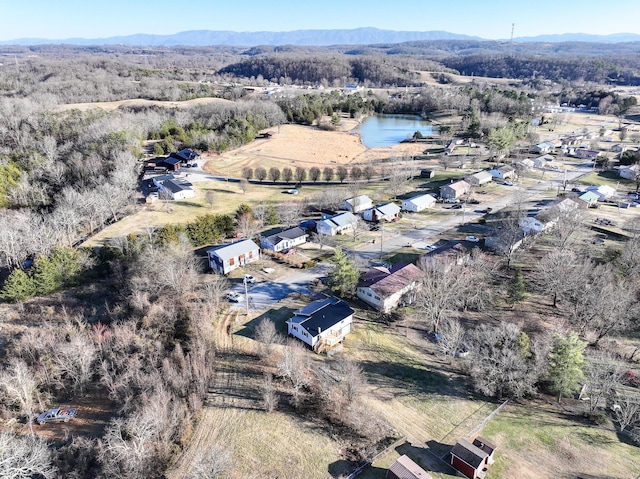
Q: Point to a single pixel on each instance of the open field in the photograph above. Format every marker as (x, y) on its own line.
(114, 105)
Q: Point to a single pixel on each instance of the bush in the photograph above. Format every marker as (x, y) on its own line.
(598, 418)
(309, 264)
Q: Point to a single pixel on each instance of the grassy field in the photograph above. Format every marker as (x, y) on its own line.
(541, 440)
(610, 178)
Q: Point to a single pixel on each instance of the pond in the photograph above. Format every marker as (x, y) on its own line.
(387, 130)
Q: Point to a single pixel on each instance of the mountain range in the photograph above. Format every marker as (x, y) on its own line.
(357, 36)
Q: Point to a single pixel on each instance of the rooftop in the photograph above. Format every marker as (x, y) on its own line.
(321, 315)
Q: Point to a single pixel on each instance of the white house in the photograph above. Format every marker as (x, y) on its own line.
(176, 190)
(629, 172)
(284, 240)
(479, 178)
(383, 288)
(543, 161)
(336, 225)
(357, 204)
(535, 224)
(604, 192)
(226, 258)
(321, 324)
(386, 212)
(503, 172)
(525, 165)
(543, 148)
(418, 203)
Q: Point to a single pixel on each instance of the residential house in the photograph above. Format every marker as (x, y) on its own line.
(503, 172)
(321, 324)
(589, 198)
(383, 288)
(418, 203)
(629, 172)
(478, 179)
(445, 257)
(336, 224)
(504, 243)
(536, 224)
(283, 240)
(543, 161)
(449, 149)
(604, 192)
(405, 468)
(357, 204)
(455, 190)
(226, 258)
(171, 164)
(586, 154)
(525, 165)
(470, 460)
(619, 148)
(543, 148)
(185, 156)
(386, 212)
(176, 190)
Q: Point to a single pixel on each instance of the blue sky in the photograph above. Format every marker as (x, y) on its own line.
(57, 19)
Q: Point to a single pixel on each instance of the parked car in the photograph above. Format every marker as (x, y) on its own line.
(456, 207)
(292, 192)
(473, 239)
(234, 297)
(56, 415)
(576, 190)
(508, 183)
(248, 278)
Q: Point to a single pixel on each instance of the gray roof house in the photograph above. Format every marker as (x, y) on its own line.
(386, 212)
(357, 204)
(284, 240)
(226, 258)
(337, 224)
(176, 190)
(321, 324)
(479, 178)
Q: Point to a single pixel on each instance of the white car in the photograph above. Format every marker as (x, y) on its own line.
(234, 297)
(248, 278)
(473, 239)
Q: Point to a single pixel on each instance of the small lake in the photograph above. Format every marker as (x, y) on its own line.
(388, 130)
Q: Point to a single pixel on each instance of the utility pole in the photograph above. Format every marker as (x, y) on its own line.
(513, 26)
(381, 238)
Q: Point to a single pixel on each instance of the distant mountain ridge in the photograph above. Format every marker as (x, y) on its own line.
(356, 36)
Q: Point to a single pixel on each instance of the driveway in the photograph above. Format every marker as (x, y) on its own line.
(263, 295)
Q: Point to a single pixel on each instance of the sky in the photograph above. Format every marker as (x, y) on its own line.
(490, 19)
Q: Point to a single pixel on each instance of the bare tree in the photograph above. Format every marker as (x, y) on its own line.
(290, 212)
(261, 173)
(358, 227)
(210, 198)
(399, 178)
(627, 412)
(602, 376)
(269, 394)
(247, 173)
(244, 185)
(267, 335)
(555, 273)
(294, 366)
(247, 226)
(213, 293)
(356, 173)
(274, 174)
(451, 336)
(21, 389)
(506, 356)
(322, 239)
(439, 294)
(24, 458)
(301, 174)
(508, 237)
(368, 172)
(569, 224)
(327, 173)
(287, 174)
(314, 173)
(342, 173)
(214, 463)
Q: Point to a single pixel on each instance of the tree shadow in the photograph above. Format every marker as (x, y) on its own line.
(190, 204)
(278, 316)
(341, 468)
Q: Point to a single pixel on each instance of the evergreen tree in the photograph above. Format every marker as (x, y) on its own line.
(344, 276)
(46, 275)
(517, 290)
(18, 286)
(566, 363)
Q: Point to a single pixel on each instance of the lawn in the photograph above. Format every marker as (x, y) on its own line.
(610, 178)
(542, 440)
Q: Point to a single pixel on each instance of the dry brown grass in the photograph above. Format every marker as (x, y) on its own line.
(114, 105)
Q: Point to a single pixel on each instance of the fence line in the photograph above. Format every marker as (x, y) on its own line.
(486, 420)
